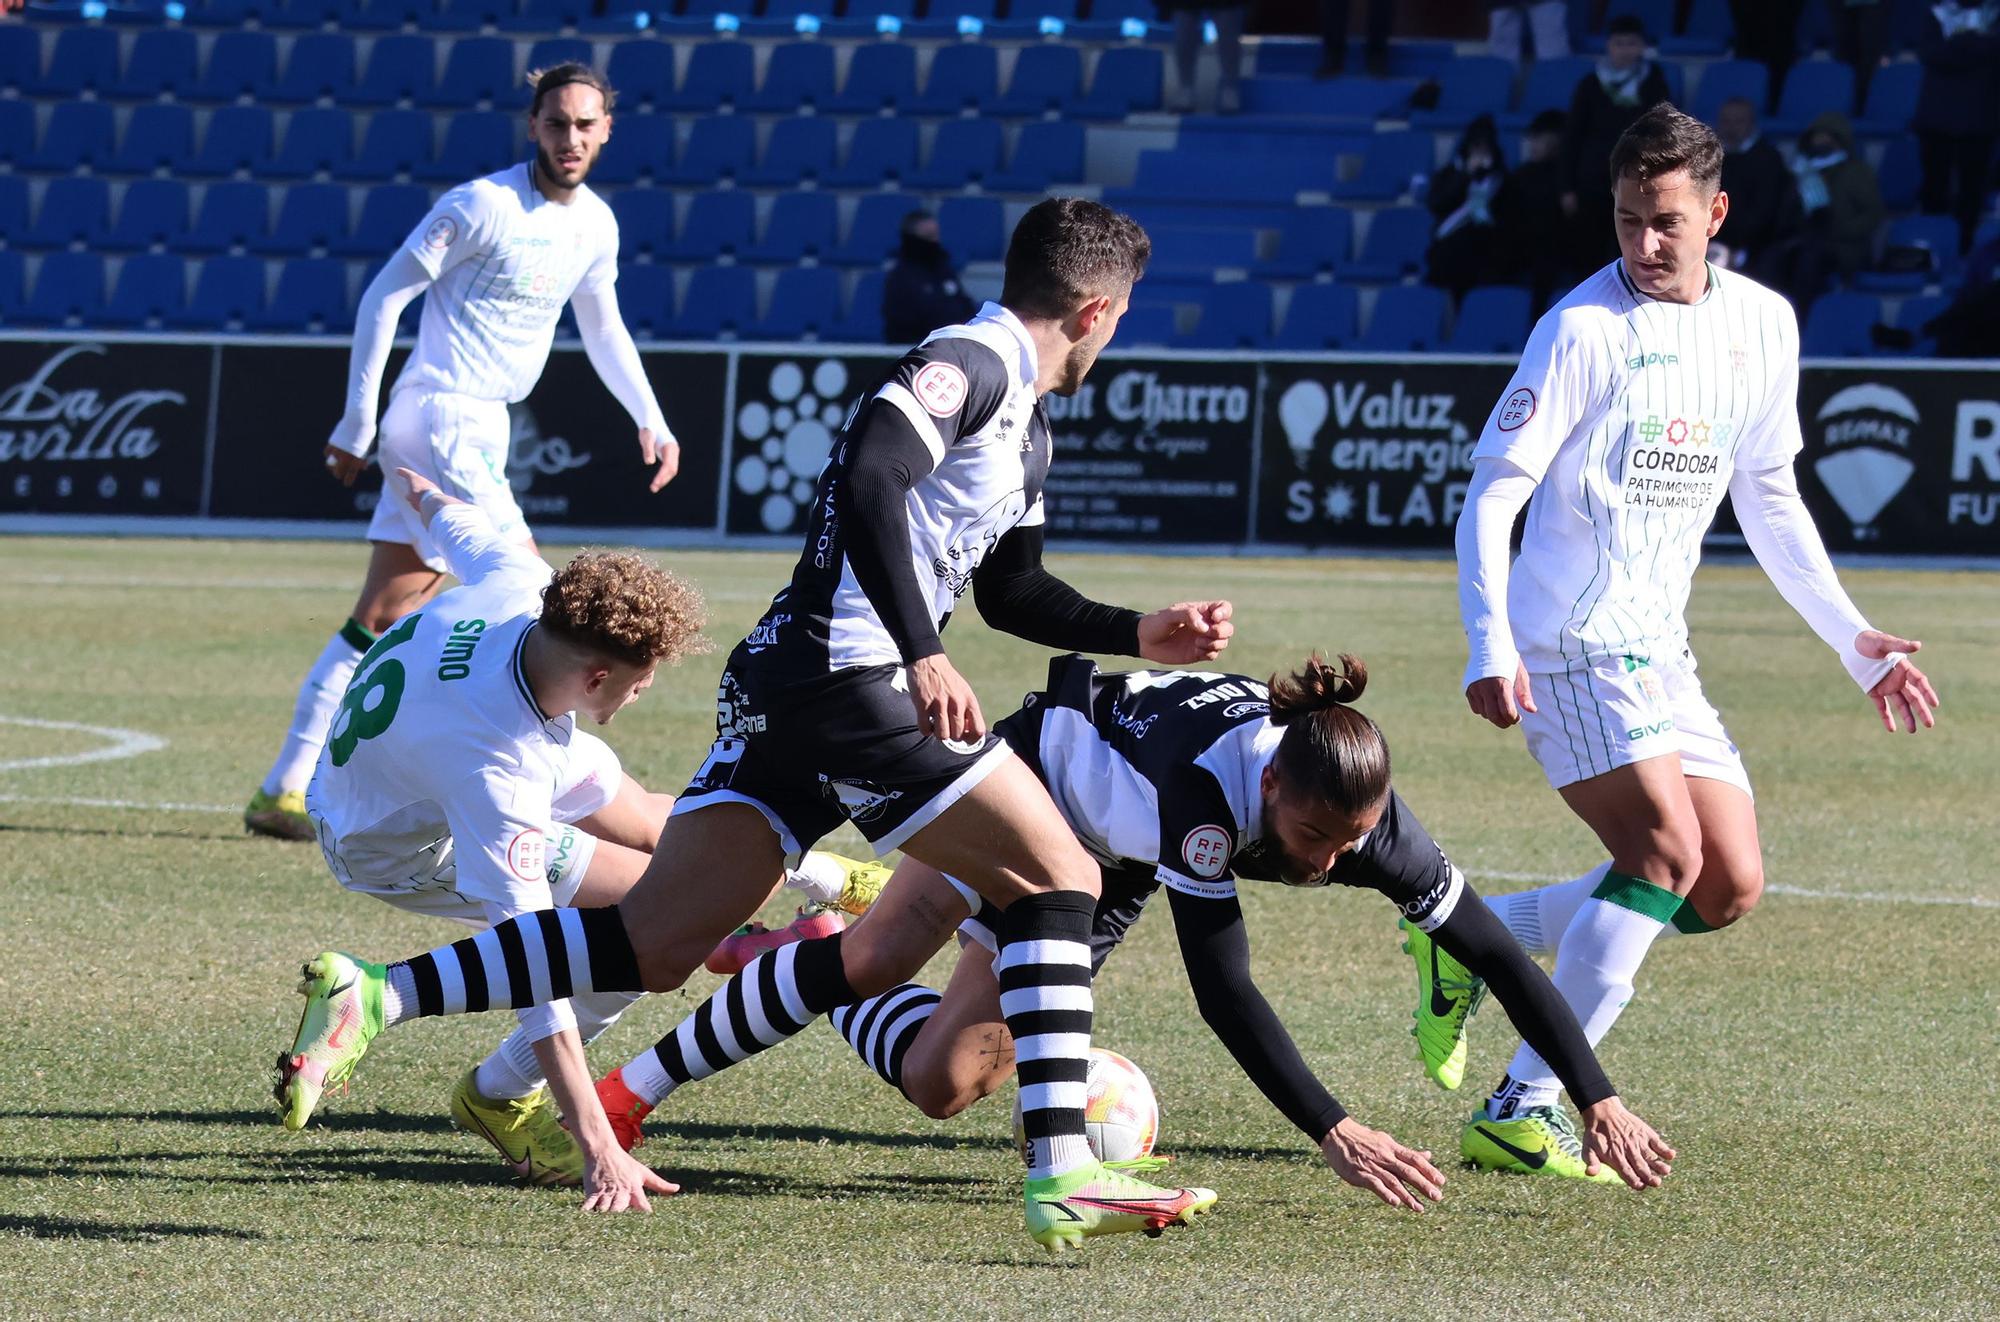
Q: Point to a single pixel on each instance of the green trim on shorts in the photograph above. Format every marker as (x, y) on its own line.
(355, 636)
(1639, 895)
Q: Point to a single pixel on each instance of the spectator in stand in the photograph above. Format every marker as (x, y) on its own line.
(1860, 39)
(1958, 110)
(1464, 238)
(921, 291)
(1548, 20)
(1333, 38)
(1623, 87)
(1970, 326)
(1843, 209)
(1530, 209)
(1767, 31)
(1186, 16)
(1764, 207)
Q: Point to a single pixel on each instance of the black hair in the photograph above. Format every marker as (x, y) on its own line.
(1329, 751)
(558, 76)
(1066, 251)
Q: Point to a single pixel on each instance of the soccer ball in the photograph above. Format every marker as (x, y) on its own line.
(1121, 1117)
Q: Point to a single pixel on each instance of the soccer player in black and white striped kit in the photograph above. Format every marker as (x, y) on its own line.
(842, 706)
(1184, 781)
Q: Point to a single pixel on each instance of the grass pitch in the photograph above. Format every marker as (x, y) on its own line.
(1825, 1067)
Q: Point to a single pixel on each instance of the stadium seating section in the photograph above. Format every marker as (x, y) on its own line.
(246, 165)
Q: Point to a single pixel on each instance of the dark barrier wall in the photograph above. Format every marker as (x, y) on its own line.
(1168, 449)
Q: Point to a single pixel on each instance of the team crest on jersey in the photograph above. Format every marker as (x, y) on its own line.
(527, 856)
(1236, 711)
(1206, 852)
(1516, 409)
(442, 232)
(862, 800)
(940, 388)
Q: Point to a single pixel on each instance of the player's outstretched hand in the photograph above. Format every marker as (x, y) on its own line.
(663, 450)
(1614, 1137)
(1498, 701)
(416, 485)
(1372, 1160)
(617, 1181)
(345, 467)
(1186, 632)
(946, 706)
(1904, 693)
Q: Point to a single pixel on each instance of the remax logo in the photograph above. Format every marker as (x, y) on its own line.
(1867, 430)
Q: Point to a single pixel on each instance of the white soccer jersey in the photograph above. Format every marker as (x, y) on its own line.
(1632, 414)
(503, 260)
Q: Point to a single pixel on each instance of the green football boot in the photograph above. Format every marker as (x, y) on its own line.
(281, 816)
(1447, 996)
(1538, 1141)
(527, 1132)
(1064, 1210)
(342, 1016)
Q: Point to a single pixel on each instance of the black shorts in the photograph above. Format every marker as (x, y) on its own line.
(810, 754)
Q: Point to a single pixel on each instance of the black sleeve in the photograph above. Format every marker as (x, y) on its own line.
(887, 458)
(1017, 595)
(1216, 949)
(1477, 939)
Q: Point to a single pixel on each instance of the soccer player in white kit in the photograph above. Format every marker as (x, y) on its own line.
(1653, 388)
(500, 256)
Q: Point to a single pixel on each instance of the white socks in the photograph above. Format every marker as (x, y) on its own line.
(818, 877)
(513, 1070)
(312, 714)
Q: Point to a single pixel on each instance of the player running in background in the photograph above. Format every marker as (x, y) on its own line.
(1189, 781)
(456, 784)
(500, 256)
(842, 706)
(1653, 388)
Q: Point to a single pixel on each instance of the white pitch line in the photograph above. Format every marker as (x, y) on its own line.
(203, 584)
(124, 744)
(118, 803)
(1796, 892)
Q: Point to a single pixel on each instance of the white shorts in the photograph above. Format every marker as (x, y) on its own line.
(1623, 710)
(414, 867)
(456, 441)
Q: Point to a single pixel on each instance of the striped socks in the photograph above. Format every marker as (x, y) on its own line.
(881, 1028)
(1045, 997)
(548, 955)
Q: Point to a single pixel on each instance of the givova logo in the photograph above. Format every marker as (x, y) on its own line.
(1867, 430)
(785, 427)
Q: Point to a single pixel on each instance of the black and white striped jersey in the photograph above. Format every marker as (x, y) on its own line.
(968, 392)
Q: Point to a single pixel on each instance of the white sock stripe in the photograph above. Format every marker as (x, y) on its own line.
(498, 994)
(892, 1008)
(761, 1027)
(717, 1014)
(1052, 1046)
(697, 1065)
(1062, 996)
(902, 1023)
(1054, 1097)
(539, 986)
(451, 980)
(576, 945)
(788, 984)
(1016, 954)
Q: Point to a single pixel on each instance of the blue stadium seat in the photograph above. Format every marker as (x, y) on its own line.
(645, 223)
(880, 150)
(1397, 239)
(1549, 86)
(964, 77)
(238, 138)
(465, 15)
(1315, 241)
(805, 304)
(802, 147)
(1128, 80)
(1147, 326)
(302, 15)
(1321, 316)
(551, 51)
(73, 211)
(78, 133)
(1182, 252)
(153, 211)
(321, 65)
(13, 209)
(1233, 316)
(860, 19)
(875, 231)
(1216, 178)
(1901, 173)
(718, 147)
(1407, 319)
(1046, 78)
(312, 216)
(388, 213)
(720, 300)
(1727, 79)
(20, 55)
(311, 296)
(151, 290)
(881, 77)
(1491, 320)
(538, 16)
(225, 14)
(1708, 30)
(475, 144)
(13, 278)
(1389, 166)
(382, 15)
(973, 228)
(240, 64)
(318, 138)
(643, 73)
(1812, 88)
(1914, 314)
(800, 225)
(964, 151)
(641, 146)
(800, 73)
(944, 14)
(163, 62)
(234, 214)
(863, 322)
(1045, 152)
(157, 137)
(1892, 98)
(1936, 234)
(1838, 326)
(619, 17)
(478, 70)
(1475, 85)
(646, 300)
(400, 70)
(84, 59)
(398, 142)
(69, 290)
(717, 72)
(716, 223)
(228, 295)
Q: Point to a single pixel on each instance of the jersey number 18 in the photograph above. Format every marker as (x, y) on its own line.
(372, 698)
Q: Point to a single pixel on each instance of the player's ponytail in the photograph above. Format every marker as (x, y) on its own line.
(1330, 751)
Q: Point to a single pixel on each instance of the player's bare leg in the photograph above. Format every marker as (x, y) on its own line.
(1732, 858)
(635, 817)
(964, 1052)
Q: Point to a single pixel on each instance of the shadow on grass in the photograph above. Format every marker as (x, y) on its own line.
(344, 1166)
(955, 1190)
(62, 1227)
(751, 1132)
(386, 1122)
(118, 833)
